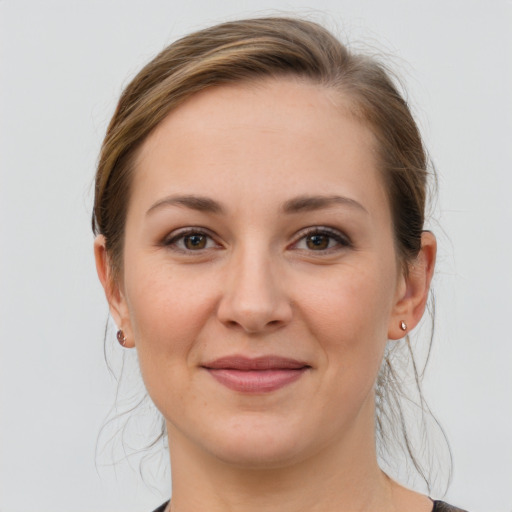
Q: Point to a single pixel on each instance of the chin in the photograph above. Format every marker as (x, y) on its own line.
(258, 444)
(257, 455)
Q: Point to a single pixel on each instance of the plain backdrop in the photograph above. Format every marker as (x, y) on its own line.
(63, 66)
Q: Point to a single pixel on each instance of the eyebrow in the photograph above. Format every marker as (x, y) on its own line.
(295, 205)
(311, 203)
(199, 203)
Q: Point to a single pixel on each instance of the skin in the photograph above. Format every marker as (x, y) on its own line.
(256, 284)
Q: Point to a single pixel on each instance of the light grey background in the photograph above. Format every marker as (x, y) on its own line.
(63, 64)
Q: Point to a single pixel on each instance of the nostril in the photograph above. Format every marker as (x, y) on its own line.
(255, 308)
(254, 327)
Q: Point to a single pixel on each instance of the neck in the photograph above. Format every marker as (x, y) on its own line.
(343, 476)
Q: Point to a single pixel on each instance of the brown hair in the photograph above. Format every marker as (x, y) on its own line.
(254, 49)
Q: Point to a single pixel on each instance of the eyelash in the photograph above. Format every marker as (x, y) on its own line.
(182, 235)
(341, 240)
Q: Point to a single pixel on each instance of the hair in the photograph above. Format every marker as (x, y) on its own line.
(272, 48)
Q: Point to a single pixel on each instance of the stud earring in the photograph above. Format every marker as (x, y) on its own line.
(403, 325)
(121, 337)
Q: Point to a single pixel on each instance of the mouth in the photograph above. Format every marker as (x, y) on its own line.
(256, 375)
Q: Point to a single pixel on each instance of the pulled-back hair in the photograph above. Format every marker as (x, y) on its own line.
(266, 48)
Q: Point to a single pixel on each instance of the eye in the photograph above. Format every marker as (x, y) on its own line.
(190, 240)
(322, 239)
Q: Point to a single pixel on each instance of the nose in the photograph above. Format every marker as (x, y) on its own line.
(255, 297)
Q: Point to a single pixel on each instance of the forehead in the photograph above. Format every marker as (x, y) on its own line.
(276, 138)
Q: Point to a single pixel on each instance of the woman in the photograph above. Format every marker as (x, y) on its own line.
(259, 215)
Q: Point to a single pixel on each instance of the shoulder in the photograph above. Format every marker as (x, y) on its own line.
(441, 506)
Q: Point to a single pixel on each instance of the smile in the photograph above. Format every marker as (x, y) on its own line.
(256, 375)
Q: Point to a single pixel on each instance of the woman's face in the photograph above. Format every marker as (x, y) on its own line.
(260, 281)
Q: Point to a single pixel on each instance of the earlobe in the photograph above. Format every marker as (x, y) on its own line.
(113, 293)
(413, 295)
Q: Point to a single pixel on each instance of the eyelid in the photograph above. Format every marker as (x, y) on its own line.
(172, 238)
(343, 240)
(170, 241)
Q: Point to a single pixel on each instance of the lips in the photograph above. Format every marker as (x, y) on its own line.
(256, 375)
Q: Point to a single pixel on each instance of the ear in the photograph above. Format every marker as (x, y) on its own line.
(412, 291)
(113, 292)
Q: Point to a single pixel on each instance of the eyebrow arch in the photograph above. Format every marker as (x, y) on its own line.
(311, 203)
(199, 203)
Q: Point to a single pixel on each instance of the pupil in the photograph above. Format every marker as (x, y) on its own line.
(317, 242)
(195, 241)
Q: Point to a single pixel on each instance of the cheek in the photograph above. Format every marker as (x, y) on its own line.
(356, 300)
(349, 317)
(167, 311)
